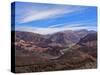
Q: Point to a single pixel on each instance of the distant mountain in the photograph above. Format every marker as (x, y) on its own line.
(82, 33)
(88, 44)
(90, 40)
(29, 36)
(52, 44)
(65, 38)
(89, 37)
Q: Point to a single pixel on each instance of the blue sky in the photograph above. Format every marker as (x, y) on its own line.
(50, 18)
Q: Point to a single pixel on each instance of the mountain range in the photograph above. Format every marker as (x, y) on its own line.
(72, 47)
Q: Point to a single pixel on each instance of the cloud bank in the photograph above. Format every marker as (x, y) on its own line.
(55, 28)
(38, 14)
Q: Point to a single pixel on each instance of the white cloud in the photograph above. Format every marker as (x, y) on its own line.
(39, 30)
(57, 25)
(36, 14)
(50, 30)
